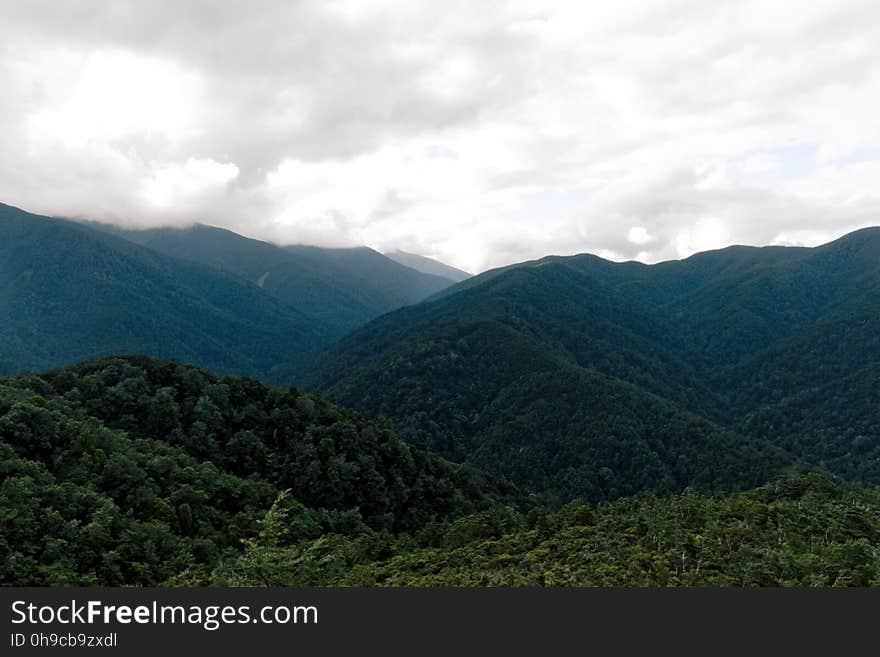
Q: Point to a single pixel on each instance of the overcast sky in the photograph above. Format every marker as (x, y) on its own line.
(481, 133)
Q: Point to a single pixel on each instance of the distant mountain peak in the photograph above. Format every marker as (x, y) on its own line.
(860, 237)
(428, 265)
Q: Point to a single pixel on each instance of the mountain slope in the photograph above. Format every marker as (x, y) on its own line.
(512, 364)
(833, 424)
(428, 265)
(68, 292)
(488, 377)
(341, 288)
(136, 471)
(368, 269)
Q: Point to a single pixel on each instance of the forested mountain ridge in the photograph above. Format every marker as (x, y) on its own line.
(721, 335)
(68, 292)
(573, 376)
(497, 377)
(132, 470)
(403, 285)
(74, 290)
(342, 288)
(137, 471)
(428, 265)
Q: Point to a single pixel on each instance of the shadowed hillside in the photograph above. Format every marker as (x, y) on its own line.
(507, 369)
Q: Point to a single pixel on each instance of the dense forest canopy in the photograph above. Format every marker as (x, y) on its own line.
(594, 378)
(138, 471)
(133, 470)
(342, 288)
(71, 291)
(797, 531)
(68, 293)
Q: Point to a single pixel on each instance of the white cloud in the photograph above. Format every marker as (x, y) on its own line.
(760, 163)
(107, 96)
(639, 235)
(706, 234)
(188, 186)
(803, 238)
(481, 134)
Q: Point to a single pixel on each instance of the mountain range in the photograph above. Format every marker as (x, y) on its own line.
(68, 293)
(134, 471)
(574, 376)
(428, 265)
(514, 427)
(596, 378)
(71, 291)
(341, 288)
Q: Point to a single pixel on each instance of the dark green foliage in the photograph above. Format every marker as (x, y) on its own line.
(68, 293)
(138, 471)
(135, 471)
(836, 425)
(510, 378)
(386, 283)
(803, 531)
(587, 377)
(341, 288)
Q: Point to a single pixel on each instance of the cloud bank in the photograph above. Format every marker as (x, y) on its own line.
(479, 133)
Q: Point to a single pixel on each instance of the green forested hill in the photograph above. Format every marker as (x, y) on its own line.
(539, 418)
(803, 531)
(342, 288)
(136, 471)
(68, 293)
(739, 338)
(834, 424)
(393, 283)
(569, 377)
